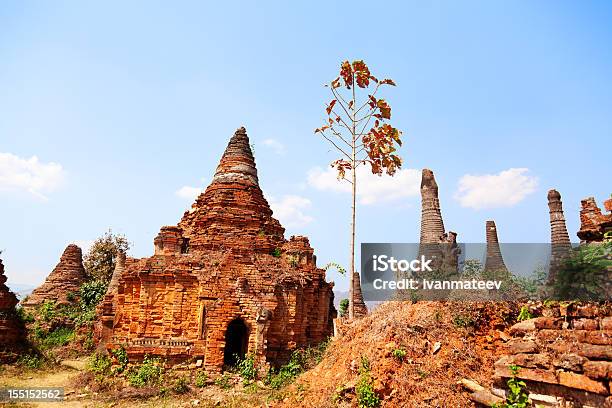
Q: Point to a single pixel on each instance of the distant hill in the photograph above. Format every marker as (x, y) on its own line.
(21, 290)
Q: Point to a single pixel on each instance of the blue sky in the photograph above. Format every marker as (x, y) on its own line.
(133, 101)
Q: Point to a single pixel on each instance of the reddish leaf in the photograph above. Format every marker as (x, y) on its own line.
(330, 106)
(387, 81)
(346, 72)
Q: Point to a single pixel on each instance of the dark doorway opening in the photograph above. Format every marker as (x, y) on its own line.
(236, 341)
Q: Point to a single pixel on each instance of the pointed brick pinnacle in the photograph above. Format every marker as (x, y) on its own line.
(558, 231)
(432, 225)
(237, 164)
(65, 278)
(494, 260)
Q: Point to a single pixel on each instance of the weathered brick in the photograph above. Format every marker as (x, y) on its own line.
(582, 382)
(598, 369)
(585, 324)
(569, 361)
(548, 323)
(502, 369)
(606, 323)
(522, 346)
(595, 351)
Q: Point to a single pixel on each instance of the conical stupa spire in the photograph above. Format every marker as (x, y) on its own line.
(67, 277)
(232, 212)
(494, 260)
(558, 231)
(359, 305)
(559, 238)
(237, 164)
(432, 226)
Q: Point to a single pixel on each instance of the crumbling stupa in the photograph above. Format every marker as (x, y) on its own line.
(494, 262)
(65, 279)
(11, 328)
(222, 283)
(435, 243)
(559, 238)
(593, 223)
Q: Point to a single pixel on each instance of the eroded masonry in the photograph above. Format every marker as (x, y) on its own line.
(222, 283)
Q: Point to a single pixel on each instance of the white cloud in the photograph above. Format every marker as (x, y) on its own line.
(371, 189)
(504, 189)
(30, 175)
(188, 192)
(275, 145)
(290, 210)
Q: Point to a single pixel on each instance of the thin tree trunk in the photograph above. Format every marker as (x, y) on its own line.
(353, 202)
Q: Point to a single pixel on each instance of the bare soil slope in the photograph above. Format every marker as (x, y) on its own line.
(443, 343)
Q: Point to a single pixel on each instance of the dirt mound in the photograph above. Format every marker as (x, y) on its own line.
(440, 344)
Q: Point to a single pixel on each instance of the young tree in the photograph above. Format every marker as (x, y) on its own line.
(357, 127)
(100, 260)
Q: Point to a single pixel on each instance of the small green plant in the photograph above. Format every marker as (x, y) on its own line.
(201, 379)
(30, 361)
(99, 364)
(276, 253)
(180, 385)
(57, 338)
(344, 304)
(223, 382)
(149, 372)
(294, 261)
(247, 369)
(399, 354)
(366, 396)
(47, 311)
(24, 315)
(524, 314)
(122, 359)
(337, 266)
(517, 396)
(463, 320)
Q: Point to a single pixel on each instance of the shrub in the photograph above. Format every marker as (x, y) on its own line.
(201, 378)
(399, 354)
(223, 382)
(99, 364)
(149, 372)
(517, 396)
(180, 385)
(463, 320)
(524, 314)
(344, 304)
(57, 338)
(122, 359)
(24, 315)
(247, 369)
(30, 361)
(300, 360)
(366, 396)
(276, 253)
(46, 311)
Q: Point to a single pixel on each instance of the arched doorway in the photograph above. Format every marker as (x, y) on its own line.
(236, 342)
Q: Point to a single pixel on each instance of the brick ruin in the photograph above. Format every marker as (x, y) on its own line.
(494, 260)
(221, 283)
(12, 334)
(593, 223)
(435, 243)
(565, 356)
(559, 238)
(66, 278)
